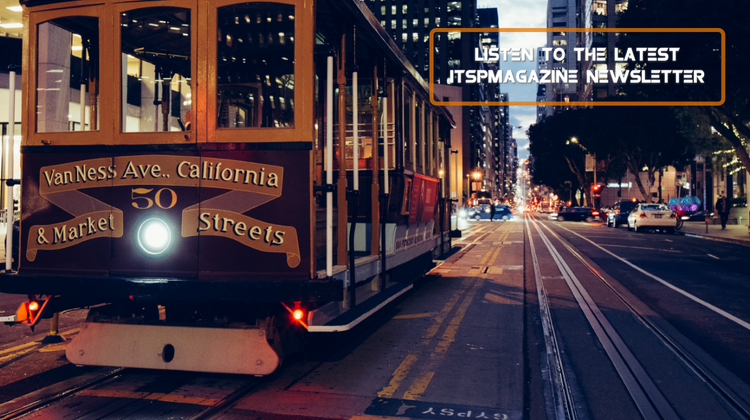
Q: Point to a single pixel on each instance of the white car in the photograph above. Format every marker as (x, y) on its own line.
(652, 216)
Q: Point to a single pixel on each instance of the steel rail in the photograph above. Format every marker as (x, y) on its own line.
(646, 395)
(723, 391)
(41, 400)
(563, 402)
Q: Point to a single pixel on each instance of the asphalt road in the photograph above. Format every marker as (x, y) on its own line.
(468, 341)
(695, 290)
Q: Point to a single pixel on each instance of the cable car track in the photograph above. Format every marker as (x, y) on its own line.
(653, 405)
(44, 400)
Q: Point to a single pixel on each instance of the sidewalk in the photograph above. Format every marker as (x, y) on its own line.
(736, 234)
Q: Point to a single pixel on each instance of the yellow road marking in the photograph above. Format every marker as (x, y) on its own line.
(492, 260)
(444, 312)
(398, 376)
(158, 396)
(450, 332)
(484, 260)
(419, 386)
(22, 346)
(412, 316)
(53, 347)
(16, 354)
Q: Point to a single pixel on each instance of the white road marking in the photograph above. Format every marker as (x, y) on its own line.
(719, 311)
(669, 240)
(640, 247)
(713, 256)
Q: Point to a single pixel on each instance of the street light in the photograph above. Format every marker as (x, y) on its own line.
(477, 176)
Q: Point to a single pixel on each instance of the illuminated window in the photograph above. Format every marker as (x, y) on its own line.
(255, 77)
(155, 50)
(600, 7)
(67, 68)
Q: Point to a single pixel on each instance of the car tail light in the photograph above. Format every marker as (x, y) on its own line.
(595, 213)
(672, 216)
(643, 215)
(617, 211)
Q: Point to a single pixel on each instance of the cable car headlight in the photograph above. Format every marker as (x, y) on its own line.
(154, 236)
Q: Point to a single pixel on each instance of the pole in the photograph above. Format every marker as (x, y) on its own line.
(9, 172)
(354, 201)
(329, 166)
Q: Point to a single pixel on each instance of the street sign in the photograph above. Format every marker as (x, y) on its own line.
(589, 162)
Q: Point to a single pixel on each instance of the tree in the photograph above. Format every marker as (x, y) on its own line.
(555, 159)
(644, 138)
(731, 119)
(639, 138)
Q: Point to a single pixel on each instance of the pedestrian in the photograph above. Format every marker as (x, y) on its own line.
(722, 207)
(492, 211)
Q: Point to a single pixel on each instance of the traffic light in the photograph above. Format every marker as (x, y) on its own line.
(596, 189)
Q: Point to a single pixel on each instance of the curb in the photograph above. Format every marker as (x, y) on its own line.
(717, 239)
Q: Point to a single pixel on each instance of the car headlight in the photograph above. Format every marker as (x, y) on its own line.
(154, 236)
(462, 213)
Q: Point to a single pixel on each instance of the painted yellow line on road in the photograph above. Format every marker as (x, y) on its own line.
(445, 311)
(484, 260)
(156, 396)
(412, 316)
(450, 331)
(398, 376)
(494, 257)
(22, 346)
(419, 386)
(16, 354)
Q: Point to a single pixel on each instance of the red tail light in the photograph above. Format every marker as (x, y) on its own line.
(617, 211)
(642, 215)
(672, 216)
(298, 314)
(595, 213)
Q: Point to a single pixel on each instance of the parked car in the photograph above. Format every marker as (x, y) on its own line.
(502, 212)
(586, 214)
(647, 216)
(619, 213)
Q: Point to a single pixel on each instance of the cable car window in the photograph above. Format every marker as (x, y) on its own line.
(255, 60)
(67, 74)
(156, 75)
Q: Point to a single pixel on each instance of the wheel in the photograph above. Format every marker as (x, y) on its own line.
(679, 224)
(560, 218)
(477, 217)
(589, 219)
(629, 228)
(505, 218)
(609, 224)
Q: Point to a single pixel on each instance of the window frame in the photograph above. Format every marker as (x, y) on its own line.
(155, 137)
(106, 91)
(302, 130)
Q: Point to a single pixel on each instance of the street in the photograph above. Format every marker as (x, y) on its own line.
(526, 319)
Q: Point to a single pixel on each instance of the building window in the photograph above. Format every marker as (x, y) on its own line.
(600, 7)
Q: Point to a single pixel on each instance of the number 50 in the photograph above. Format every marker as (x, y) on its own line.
(137, 194)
